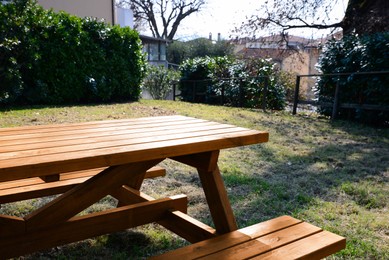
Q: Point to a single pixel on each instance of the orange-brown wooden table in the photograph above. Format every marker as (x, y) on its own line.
(124, 150)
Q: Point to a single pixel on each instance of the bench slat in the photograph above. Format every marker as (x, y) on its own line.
(316, 246)
(230, 239)
(280, 238)
(35, 187)
(266, 243)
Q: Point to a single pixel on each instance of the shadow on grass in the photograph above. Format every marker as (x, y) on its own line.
(290, 185)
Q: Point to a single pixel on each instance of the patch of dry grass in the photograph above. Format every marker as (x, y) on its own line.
(334, 175)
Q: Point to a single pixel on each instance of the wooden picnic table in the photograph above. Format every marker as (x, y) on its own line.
(123, 151)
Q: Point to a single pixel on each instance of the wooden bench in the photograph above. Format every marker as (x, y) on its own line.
(30, 188)
(280, 238)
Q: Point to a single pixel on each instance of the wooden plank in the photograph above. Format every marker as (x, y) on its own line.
(317, 246)
(177, 221)
(59, 130)
(90, 124)
(204, 247)
(43, 139)
(34, 187)
(38, 190)
(50, 178)
(187, 227)
(269, 226)
(265, 243)
(73, 161)
(82, 196)
(221, 242)
(216, 194)
(127, 195)
(199, 161)
(95, 224)
(66, 140)
(10, 225)
(100, 144)
(155, 171)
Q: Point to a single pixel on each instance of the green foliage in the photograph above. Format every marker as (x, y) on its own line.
(232, 82)
(357, 54)
(288, 81)
(201, 47)
(159, 81)
(56, 58)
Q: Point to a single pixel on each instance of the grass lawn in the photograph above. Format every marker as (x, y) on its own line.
(333, 175)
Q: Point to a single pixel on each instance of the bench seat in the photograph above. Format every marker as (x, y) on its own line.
(280, 238)
(11, 191)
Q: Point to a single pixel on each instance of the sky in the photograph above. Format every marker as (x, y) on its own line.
(221, 16)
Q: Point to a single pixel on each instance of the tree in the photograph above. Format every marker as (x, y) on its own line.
(361, 16)
(201, 47)
(170, 13)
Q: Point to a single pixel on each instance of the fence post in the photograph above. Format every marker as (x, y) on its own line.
(174, 90)
(264, 94)
(336, 102)
(240, 93)
(223, 90)
(296, 95)
(194, 91)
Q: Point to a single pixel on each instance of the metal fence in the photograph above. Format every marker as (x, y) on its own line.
(216, 91)
(335, 105)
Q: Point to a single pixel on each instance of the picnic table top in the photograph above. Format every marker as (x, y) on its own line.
(32, 151)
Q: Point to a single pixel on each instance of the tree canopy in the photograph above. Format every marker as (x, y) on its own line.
(361, 16)
(201, 47)
(163, 17)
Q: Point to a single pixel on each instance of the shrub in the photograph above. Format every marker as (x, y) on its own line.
(159, 81)
(56, 58)
(232, 82)
(356, 54)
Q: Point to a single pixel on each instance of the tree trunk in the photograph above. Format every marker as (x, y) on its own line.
(366, 17)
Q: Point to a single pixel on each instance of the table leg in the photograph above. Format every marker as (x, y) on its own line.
(214, 189)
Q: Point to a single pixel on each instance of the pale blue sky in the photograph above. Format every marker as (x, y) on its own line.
(221, 16)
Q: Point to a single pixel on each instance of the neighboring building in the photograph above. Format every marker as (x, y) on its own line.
(101, 9)
(293, 54)
(154, 48)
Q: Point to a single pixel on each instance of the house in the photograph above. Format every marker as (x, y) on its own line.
(107, 10)
(293, 54)
(101, 9)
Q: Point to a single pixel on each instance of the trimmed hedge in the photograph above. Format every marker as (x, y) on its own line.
(57, 58)
(355, 53)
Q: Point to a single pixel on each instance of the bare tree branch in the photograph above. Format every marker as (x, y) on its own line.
(361, 16)
(169, 14)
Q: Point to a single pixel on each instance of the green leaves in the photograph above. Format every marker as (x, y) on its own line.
(223, 80)
(57, 58)
(159, 81)
(352, 54)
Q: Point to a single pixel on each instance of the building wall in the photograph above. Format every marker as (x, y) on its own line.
(102, 9)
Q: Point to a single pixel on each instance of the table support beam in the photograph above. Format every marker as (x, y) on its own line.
(82, 227)
(84, 195)
(214, 189)
(176, 221)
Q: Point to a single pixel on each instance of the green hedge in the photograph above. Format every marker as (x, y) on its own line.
(223, 80)
(356, 54)
(57, 58)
